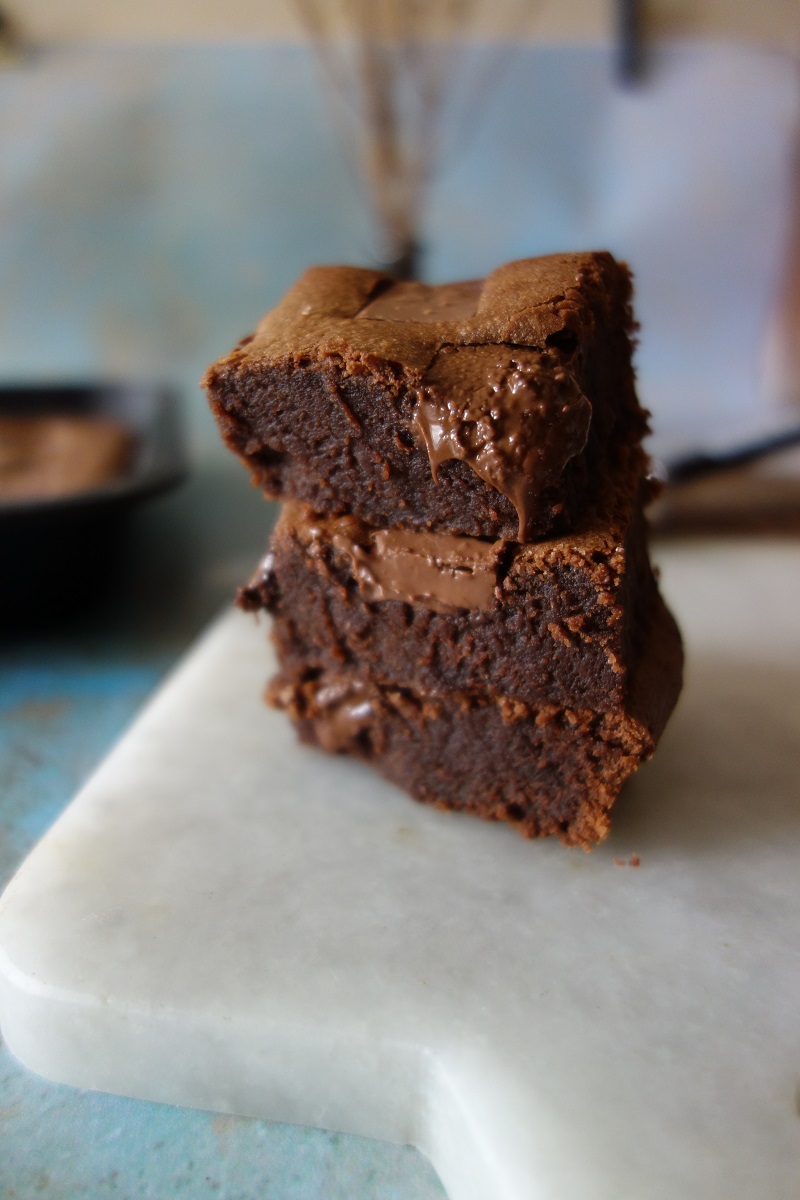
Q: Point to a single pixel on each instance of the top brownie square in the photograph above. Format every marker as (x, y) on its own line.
(488, 408)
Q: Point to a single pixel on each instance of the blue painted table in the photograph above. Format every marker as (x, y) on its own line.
(65, 696)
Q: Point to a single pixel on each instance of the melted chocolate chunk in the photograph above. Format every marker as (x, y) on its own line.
(515, 417)
(347, 708)
(439, 572)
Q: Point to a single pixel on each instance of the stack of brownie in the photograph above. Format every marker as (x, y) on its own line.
(459, 579)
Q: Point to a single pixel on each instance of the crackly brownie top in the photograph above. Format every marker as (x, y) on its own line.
(365, 315)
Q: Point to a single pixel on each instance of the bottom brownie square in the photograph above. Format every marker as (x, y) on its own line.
(546, 769)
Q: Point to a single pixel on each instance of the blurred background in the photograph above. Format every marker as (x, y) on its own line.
(166, 172)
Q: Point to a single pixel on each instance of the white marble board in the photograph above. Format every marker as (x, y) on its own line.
(223, 920)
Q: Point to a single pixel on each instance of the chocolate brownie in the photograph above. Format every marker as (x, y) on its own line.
(459, 581)
(48, 457)
(543, 622)
(546, 769)
(489, 409)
